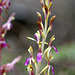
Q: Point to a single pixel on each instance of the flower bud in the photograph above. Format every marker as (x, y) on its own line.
(39, 16)
(52, 19)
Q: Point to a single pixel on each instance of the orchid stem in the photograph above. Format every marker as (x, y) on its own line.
(0, 43)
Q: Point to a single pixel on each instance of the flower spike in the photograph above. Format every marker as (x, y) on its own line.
(41, 36)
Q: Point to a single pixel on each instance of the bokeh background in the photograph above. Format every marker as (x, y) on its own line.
(25, 25)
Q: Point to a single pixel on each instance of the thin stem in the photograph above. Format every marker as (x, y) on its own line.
(43, 41)
(0, 43)
(38, 67)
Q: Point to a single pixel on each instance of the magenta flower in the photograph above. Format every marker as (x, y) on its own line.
(55, 49)
(52, 70)
(27, 61)
(36, 37)
(39, 57)
(2, 42)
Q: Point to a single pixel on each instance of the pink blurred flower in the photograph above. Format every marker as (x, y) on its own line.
(8, 25)
(9, 66)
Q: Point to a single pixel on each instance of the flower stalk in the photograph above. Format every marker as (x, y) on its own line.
(42, 33)
(0, 44)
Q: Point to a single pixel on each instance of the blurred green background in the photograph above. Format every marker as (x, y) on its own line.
(25, 25)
